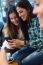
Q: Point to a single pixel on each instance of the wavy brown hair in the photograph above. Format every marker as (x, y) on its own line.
(13, 30)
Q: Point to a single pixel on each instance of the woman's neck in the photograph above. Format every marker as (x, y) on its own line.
(41, 22)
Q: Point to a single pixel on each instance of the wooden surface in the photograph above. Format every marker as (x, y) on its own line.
(14, 63)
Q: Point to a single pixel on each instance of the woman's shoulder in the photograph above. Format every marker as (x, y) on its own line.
(5, 30)
(35, 21)
(5, 27)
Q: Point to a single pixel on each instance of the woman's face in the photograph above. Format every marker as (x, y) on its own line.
(13, 18)
(38, 9)
(22, 13)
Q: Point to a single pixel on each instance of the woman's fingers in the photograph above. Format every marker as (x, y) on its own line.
(11, 41)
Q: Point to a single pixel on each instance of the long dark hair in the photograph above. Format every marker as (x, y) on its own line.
(26, 5)
(24, 28)
(12, 28)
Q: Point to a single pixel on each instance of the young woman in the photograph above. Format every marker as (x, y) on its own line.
(13, 32)
(24, 10)
(36, 58)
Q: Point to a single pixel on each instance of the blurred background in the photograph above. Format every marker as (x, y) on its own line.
(6, 3)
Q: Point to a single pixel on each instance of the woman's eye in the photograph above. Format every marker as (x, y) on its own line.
(16, 18)
(11, 18)
(20, 11)
(37, 4)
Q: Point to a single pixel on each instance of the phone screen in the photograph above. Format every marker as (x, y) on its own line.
(8, 38)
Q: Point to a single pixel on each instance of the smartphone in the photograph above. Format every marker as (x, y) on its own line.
(8, 38)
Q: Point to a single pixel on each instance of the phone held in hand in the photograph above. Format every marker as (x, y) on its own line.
(6, 43)
(8, 38)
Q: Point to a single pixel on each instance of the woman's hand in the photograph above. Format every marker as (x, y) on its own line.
(16, 43)
(3, 57)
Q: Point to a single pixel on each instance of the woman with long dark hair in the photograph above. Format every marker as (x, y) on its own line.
(36, 58)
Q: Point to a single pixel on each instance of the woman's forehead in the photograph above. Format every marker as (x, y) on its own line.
(38, 1)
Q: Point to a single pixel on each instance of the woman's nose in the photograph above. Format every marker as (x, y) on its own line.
(19, 15)
(35, 10)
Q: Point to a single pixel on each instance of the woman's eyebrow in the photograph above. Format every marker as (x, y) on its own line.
(36, 3)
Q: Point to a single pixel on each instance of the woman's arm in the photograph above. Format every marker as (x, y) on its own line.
(3, 57)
